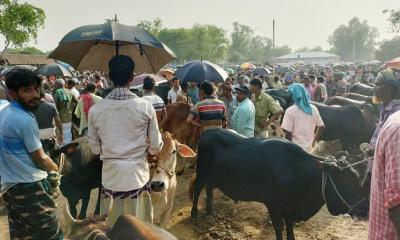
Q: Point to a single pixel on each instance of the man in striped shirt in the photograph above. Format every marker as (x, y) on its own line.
(210, 110)
(149, 94)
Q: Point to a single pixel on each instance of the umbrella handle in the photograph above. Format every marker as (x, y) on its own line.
(117, 47)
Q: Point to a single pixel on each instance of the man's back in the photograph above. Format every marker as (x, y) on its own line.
(45, 114)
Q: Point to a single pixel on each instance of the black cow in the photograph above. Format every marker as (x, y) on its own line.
(363, 89)
(80, 174)
(278, 173)
(343, 101)
(359, 97)
(282, 96)
(346, 124)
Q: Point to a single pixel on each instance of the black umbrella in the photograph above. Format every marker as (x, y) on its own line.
(9, 69)
(54, 70)
(200, 71)
(90, 47)
(261, 71)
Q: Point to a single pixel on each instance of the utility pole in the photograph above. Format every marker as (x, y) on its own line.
(354, 48)
(273, 47)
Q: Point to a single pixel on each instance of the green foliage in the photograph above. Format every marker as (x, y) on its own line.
(307, 49)
(361, 34)
(154, 27)
(394, 19)
(27, 50)
(19, 22)
(388, 49)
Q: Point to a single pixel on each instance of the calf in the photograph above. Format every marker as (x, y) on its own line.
(163, 182)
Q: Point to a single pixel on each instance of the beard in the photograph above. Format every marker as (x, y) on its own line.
(30, 105)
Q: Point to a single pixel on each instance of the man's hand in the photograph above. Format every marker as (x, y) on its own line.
(151, 159)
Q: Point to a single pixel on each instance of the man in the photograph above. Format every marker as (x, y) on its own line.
(193, 92)
(309, 87)
(277, 84)
(65, 103)
(229, 100)
(175, 91)
(265, 106)
(71, 86)
(46, 116)
(86, 101)
(210, 110)
(243, 119)
(240, 82)
(149, 94)
(123, 129)
(32, 212)
(384, 211)
(184, 97)
(301, 119)
(320, 90)
(341, 82)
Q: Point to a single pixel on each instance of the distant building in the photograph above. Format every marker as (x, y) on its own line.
(25, 59)
(309, 57)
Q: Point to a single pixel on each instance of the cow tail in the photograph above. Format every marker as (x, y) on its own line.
(191, 187)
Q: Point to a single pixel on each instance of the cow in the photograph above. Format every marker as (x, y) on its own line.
(163, 181)
(126, 227)
(292, 183)
(176, 124)
(343, 101)
(346, 124)
(359, 97)
(282, 96)
(81, 172)
(363, 89)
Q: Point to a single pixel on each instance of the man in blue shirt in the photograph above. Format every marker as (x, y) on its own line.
(243, 118)
(23, 163)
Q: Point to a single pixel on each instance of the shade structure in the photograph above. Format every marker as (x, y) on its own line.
(200, 71)
(54, 70)
(90, 47)
(138, 80)
(394, 63)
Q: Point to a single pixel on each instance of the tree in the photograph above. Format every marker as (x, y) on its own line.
(154, 27)
(27, 50)
(394, 19)
(357, 35)
(241, 37)
(280, 51)
(19, 22)
(388, 49)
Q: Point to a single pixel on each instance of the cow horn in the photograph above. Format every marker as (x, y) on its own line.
(68, 217)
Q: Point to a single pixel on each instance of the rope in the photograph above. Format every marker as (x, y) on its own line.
(354, 164)
(96, 233)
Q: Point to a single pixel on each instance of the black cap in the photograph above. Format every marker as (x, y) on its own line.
(242, 89)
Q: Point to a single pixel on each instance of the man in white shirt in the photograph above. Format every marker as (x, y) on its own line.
(71, 87)
(301, 119)
(123, 129)
(149, 94)
(174, 92)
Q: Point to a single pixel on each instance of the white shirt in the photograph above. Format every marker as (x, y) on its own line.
(173, 95)
(155, 100)
(302, 125)
(122, 132)
(74, 92)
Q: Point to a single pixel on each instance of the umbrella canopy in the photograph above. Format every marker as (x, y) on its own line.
(54, 70)
(9, 69)
(261, 71)
(200, 71)
(394, 63)
(90, 47)
(138, 80)
(247, 66)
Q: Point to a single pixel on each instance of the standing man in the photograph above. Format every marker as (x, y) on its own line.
(193, 92)
(321, 93)
(384, 210)
(301, 119)
(149, 94)
(71, 86)
(65, 103)
(243, 119)
(32, 213)
(175, 91)
(123, 129)
(86, 101)
(265, 106)
(229, 100)
(210, 110)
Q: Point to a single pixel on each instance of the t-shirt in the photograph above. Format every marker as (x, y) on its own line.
(45, 114)
(302, 125)
(211, 112)
(173, 95)
(155, 100)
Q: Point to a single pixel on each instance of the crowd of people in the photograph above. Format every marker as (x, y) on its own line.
(124, 130)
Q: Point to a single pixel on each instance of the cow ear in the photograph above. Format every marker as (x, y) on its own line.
(185, 151)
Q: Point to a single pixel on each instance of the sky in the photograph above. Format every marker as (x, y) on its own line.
(299, 23)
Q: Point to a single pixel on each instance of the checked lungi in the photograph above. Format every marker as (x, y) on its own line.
(32, 212)
(136, 202)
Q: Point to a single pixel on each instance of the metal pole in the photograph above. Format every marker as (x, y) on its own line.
(273, 47)
(354, 49)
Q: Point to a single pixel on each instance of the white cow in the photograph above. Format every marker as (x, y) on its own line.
(163, 182)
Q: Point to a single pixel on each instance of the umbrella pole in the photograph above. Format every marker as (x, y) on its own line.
(116, 47)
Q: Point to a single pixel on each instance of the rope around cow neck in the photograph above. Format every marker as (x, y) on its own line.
(95, 234)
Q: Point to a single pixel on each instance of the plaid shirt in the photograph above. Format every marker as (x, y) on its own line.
(120, 93)
(385, 184)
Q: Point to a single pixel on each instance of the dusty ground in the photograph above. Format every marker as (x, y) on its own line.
(251, 220)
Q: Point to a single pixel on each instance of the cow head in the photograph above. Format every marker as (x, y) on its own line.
(342, 189)
(166, 162)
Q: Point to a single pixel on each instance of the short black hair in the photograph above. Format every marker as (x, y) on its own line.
(276, 78)
(184, 85)
(149, 83)
(175, 78)
(311, 76)
(207, 87)
(256, 82)
(121, 68)
(91, 87)
(320, 79)
(18, 78)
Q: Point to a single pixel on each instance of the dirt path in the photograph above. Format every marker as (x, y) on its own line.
(250, 221)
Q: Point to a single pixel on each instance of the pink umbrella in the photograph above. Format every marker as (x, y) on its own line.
(138, 80)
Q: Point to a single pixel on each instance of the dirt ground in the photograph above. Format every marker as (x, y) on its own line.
(250, 221)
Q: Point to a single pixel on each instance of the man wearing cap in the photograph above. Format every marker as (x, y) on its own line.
(210, 110)
(243, 118)
(65, 103)
(265, 107)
